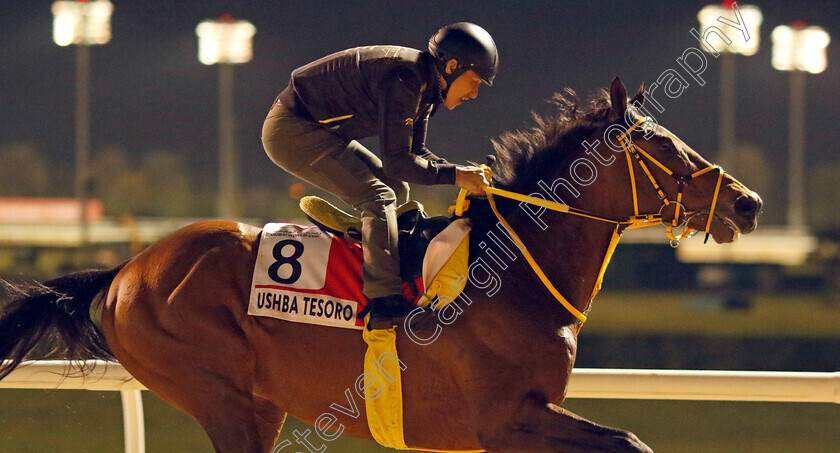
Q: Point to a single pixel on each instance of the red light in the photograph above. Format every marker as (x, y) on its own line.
(297, 190)
(227, 18)
(798, 24)
(729, 4)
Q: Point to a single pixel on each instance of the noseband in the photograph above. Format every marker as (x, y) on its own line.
(635, 221)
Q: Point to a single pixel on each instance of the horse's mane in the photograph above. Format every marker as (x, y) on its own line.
(524, 157)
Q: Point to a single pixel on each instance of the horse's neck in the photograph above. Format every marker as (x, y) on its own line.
(570, 252)
(572, 249)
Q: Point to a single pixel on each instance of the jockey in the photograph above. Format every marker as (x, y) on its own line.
(389, 92)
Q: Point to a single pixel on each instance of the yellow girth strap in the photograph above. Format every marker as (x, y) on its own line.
(383, 374)
(384, 411)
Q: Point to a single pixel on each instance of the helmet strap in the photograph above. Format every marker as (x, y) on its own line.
(449, 78)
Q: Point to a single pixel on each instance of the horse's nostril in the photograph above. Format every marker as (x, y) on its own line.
(746, 206)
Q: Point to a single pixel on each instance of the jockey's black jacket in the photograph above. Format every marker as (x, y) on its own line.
(385, 91)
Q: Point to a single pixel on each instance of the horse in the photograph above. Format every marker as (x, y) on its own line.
(494, 379)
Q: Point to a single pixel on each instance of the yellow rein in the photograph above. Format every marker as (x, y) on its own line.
(634, 221)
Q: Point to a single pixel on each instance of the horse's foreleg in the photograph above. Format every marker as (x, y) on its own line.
(567, 427)
(538, 426)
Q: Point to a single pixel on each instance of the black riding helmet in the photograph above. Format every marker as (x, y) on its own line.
(471, 46)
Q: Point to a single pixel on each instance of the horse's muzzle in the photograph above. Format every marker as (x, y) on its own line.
(747, 208)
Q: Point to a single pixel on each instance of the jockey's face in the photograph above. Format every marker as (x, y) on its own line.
(463, 88)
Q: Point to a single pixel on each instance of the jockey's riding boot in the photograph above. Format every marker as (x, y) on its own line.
(408, 215)
(388, 311)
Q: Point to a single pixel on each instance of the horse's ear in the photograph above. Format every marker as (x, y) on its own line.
(618, 97)
(638, 99)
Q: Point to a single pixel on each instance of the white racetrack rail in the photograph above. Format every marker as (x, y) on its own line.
(810, 387)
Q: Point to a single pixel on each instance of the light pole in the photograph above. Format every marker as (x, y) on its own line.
(744, 43)
(83, 23)
(226, 42)
(798, 49)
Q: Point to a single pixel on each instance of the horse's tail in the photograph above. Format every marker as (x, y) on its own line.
(57, 311)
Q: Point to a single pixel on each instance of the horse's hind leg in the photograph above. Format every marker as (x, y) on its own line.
(270, 419)
(237, 423)
(231, 422)
(234, 420)
(184, 341)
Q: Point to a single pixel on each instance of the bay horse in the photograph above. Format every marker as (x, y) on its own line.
(493, 380)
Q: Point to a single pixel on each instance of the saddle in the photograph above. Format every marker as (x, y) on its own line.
(416, 231)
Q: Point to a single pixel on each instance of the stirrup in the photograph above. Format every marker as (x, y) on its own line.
(324, 214)
(410, 206)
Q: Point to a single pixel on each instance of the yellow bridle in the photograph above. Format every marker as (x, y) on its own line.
(634, 221)
(630, 149)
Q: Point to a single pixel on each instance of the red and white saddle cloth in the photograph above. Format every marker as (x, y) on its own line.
(307, 275)
(304, 274)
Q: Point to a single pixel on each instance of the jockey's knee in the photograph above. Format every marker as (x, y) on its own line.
(378, 203)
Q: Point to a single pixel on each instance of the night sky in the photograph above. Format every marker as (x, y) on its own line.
(150, 92)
